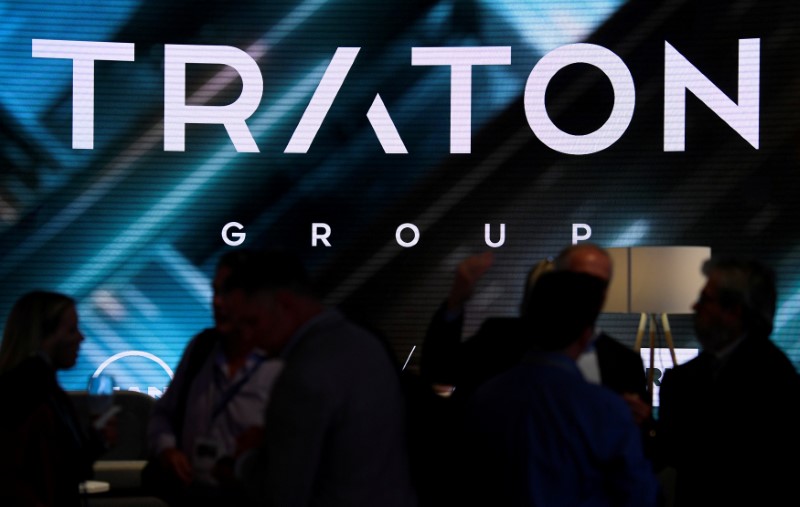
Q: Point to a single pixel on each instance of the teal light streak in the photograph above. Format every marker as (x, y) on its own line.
(153, 221)
(633, 235)
(545, 25)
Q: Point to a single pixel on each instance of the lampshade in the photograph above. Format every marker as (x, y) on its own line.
(656, 279)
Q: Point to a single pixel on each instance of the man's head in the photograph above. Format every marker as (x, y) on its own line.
(739, 298)
(228, 263)
(269, 297)
(585, 258)
(537, 270)
(561, 308)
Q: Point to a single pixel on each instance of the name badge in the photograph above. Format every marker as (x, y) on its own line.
(206, 454)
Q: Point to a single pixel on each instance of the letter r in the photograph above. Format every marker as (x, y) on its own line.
(317, 236)
(177, 114)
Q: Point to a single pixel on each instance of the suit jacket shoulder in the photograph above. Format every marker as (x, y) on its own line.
(621, 368)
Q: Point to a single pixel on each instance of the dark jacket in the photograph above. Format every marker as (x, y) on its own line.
(46, 453)
(501, 343)
(730, 431)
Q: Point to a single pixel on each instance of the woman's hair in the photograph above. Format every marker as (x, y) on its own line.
(34, 316)
(537, 270)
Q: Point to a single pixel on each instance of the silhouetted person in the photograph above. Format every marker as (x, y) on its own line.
(216, 397)
(608, 361)
(499, 342)
(540, 434)
(729, 418)
(45, 452)
(496, 346)
(334, 431)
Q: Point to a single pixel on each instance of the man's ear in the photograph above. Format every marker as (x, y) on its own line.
(736, 314)
(586, 338)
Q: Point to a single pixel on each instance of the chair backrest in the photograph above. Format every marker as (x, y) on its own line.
(132, 422)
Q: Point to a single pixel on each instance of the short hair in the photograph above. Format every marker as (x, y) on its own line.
(560, 306)
(749, 284)
(34, 316)
(268, 270)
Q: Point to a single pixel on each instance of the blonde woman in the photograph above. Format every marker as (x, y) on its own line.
(45, 451)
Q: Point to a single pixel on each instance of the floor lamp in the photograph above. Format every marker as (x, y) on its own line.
(655, 281)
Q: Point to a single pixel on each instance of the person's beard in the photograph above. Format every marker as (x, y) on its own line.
(712, 338)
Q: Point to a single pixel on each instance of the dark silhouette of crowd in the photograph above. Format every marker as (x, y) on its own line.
(286, 401)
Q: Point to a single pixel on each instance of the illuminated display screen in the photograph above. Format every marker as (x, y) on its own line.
(384, 141)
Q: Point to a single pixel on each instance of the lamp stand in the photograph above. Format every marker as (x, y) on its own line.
(648, 321)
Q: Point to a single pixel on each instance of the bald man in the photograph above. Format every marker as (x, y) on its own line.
(500, 341)
(607, 361)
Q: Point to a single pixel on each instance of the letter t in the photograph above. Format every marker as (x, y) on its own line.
(83, 55)
(461, 60)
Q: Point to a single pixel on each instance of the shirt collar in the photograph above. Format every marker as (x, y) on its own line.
(727, 350)
(323, 316)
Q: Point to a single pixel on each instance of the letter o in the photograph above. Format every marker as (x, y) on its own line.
(407, 244)
(621, 113)
(233, 238)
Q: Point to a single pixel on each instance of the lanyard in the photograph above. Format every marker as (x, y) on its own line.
(223, 402)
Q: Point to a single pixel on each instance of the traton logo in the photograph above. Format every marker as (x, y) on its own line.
(680, 76)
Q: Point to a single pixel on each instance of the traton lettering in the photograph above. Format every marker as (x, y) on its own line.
(680, 76)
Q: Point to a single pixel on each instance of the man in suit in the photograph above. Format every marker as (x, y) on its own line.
(500, 344)
(334, 430)
(729, 418)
